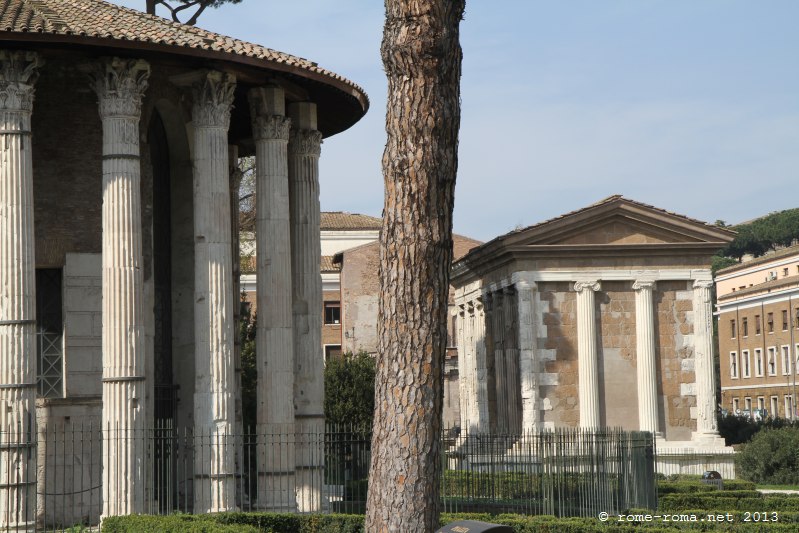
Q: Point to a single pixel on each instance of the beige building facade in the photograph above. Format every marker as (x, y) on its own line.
(758, 326)
(598, 318)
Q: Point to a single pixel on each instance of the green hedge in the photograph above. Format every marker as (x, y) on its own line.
(677, 487)
(292, 523)
(719, 502)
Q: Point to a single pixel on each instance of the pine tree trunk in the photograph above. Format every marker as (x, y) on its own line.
(422, 58)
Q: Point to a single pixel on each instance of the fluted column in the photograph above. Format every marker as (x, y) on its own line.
(646, 364)
(587, 354)
(120, 85)
(17, 294)
(470, 367)
(463, 393)
(214, 407)
(498, 331)
(304, 149)
(274, 340)
(527, 363)
(480, 407)
(706, 426)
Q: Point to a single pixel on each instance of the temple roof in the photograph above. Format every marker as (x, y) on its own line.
(100, 23)
(611, 228)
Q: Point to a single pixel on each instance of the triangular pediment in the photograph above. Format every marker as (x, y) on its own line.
(619, 221)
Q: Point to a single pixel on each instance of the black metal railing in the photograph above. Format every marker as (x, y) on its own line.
(566, 472)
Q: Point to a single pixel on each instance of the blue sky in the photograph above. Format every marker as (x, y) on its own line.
(692, 106)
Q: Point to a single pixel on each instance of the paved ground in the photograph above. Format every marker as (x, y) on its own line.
(778, 491)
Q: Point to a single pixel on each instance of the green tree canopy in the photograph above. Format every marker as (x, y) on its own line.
(350, 390)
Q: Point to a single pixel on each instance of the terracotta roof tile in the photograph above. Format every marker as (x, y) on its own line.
(97, 18)
(338, 220)
(328, 265)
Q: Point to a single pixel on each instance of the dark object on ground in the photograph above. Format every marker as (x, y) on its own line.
(474, 526)
(711, 477)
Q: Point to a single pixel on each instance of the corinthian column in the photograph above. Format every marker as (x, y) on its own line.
(586, 353)
(274, 341)
(17, 294)
(646, 364)
(304, 149)
(214, 408)
(706, 427)
(120, 85)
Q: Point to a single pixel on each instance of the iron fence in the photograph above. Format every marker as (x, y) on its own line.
(562, 472)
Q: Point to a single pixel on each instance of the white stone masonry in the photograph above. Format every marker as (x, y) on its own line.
(587, 354)
(274, 341)
(214, 406)
(528, 370)
(17, 293)
(120, 85)
(304, 149)
(646, 364)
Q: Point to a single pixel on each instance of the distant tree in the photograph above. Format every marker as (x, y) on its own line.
(176, 7)
(350, 390)
(767, 233)
(249, 370)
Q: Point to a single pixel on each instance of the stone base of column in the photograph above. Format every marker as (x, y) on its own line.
(310, 475)
(277, 488)
(708, 440)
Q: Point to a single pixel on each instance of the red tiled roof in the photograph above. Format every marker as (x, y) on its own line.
(338, 220)
(103, 20)
(328, 265)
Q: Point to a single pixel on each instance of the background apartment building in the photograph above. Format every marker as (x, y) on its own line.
(758, 317)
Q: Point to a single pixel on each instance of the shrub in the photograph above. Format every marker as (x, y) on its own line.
(350, 390)
(771, 457)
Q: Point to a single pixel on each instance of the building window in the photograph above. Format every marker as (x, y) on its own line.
(758, 362)
(49, 333)
(732, 328)
(785, 271)
(786, 360)
(332, 313)
(761, 402)
(748, 404)
(796, 319)
(733, 365)
(789, 406)
(757, 324)
(774, 404)
(770, 319)
(747, 370)
(784, 320)
(736, 405)
(772, 361)
(332, 351)
(745, 326)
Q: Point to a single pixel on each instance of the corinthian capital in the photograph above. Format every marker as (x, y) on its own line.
(18, 73)
(213, 99)
(305, 142)
(120, 85)
(271, 127)
(580, 286)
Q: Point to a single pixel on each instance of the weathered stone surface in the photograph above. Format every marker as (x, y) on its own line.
(214, 406)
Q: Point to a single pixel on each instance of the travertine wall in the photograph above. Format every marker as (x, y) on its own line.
(674, 349)
(557, 340)
(83, 363)
(616, 352)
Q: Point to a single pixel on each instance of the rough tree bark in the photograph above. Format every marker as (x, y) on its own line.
(422, 58)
